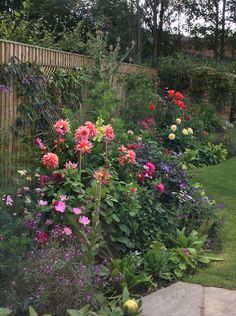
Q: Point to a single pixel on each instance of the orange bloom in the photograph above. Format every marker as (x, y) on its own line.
(50, 161)
(102, 176)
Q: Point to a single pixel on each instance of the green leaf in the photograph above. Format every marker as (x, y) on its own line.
(5, 311)
(32, 312)
(125, 295)
(82, 312)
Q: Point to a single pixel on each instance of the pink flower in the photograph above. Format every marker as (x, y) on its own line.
(42, 202)
(122, 149)
(84, 220)
(92, 129)
(84, 146)
(62, 127)
(131, 156)
(108, 133)
(70, 165)
(39, 142)
(160, 187)
(102, 176)
(130, 132)
(77, 210)
(59, 206)
(82, 133)
(41, 237)
(63, 197)
(150, 169)
(133, 190)
(9, 200)
(67, 231)
(50, 161)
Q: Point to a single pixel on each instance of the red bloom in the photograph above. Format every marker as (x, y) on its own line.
(57, 177)
(152, 107)
(180, 104)
(171, 93)
(179, 96)
(141, 177)
(43, 181)
(41, 237)
(188, 118)
(102, 176)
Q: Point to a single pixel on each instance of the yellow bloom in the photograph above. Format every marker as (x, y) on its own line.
(171, 136)
(173, 128)
(178, 121)
(130, 307)
(185, 131)
(190, 131)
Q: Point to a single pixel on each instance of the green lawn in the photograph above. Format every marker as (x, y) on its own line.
(220, 182)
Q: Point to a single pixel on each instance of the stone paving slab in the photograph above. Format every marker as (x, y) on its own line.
(183, 299)
(179, 299)
(219, 302)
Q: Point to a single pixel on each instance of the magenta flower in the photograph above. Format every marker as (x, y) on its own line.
(84, 220)
(42, 203)
(67, 231)
(9, 200)
(160, 187)
(59, 206)
(77, 210)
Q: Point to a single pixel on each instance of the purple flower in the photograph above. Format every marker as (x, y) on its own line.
(220, 205)
(4, 88)
(9, 200)
(42, 203)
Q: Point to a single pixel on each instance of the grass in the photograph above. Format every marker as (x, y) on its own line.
(220, 182)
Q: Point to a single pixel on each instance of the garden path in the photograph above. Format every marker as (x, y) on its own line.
(185, 299)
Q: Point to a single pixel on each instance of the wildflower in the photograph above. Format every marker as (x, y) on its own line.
(152, 107)
(139, 139)
(171, 136)
(77, 210)
(67, 231)
(130, 307)
(102, 176)
(59, 206)
(82, 134)
(62, 127)
(185, 131)
(84, 146)
(178, 121)
(9, 200)
(41, 237)
(179, 96)
(22, 172)
(108, 132)
(84, 220)
(160, 187)
(173, 128)
(92, 129)
(42, 203)
(130, 132)
(70, 165)
(171, 93)
(50, 161)
(190, 131)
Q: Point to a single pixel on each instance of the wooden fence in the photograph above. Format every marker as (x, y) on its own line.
(50, 60)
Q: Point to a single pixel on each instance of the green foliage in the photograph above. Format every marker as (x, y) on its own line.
(140, 92)
(125, 273)
(204, 155)
(5, 311)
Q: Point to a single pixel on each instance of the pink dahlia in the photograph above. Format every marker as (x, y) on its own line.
(92, 129)
(62, 127)
(70, 165)
(67, 231)
(84, 146)
(82, 133)
(50, 161)
(131, 156)
(102, 176)
(108, 133)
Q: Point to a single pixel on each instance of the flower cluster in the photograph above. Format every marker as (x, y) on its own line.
(148, 173)
(147, 124)
(177, 98)
(127, 156)
(174, 128)
(39, 142)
